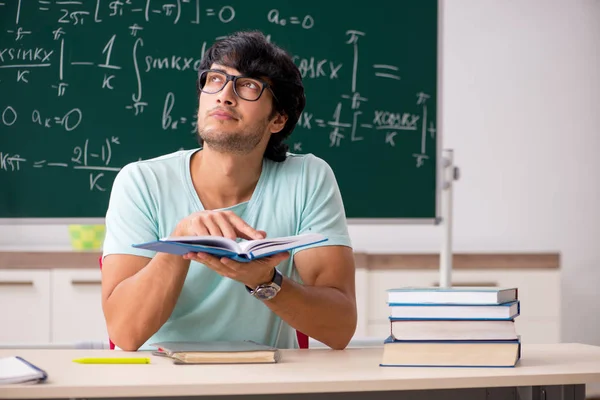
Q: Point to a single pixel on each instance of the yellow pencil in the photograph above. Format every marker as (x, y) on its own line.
(113, 360)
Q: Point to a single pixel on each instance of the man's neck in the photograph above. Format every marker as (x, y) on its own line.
(224, 180)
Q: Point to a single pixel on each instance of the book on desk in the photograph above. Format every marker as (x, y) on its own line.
(16, 369)
(452, 327)
(218, 352)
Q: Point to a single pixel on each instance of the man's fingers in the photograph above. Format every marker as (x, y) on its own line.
(197, 228)
(213, 263)
(243, 229)
(273, 261)
(225, 226)
(217, 223)
(211, 225)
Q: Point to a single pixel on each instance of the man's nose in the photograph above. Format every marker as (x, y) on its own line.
(227, 94)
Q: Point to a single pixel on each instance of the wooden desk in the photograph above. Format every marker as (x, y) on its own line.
(546, 371)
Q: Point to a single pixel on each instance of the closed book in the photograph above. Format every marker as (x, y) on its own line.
(218, 352)
(452, 295)
(450, 353)
(504, 311)
(421, 330)
(18, 370)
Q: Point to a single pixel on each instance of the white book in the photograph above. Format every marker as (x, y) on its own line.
(451, 354)
(17, 370)
(455, 311)
(453, 330)
(452, 295)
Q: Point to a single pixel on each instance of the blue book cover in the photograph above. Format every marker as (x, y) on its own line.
(458, 312)
(390, 340)
(244, 251)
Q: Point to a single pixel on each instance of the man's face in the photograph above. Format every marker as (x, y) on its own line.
(228, 123)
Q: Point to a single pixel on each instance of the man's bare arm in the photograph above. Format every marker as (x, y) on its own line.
(324, 308)
(139, 295)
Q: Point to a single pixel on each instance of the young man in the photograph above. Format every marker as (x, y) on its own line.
(241, 183)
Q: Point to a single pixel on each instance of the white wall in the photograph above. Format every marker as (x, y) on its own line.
(521, 97)
(520, 108)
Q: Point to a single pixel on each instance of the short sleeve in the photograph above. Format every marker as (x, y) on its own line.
(322, 208)
(129, 219)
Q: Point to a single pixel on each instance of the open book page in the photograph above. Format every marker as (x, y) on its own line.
(256, 247)
(218, 242)
(244, 251)
(264, 246)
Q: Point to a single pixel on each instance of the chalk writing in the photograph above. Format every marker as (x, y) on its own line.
(112, 66)
(305, 22)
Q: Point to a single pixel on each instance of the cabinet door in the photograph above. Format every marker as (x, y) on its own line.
(381, 281)
(25, 306)
(77, 306)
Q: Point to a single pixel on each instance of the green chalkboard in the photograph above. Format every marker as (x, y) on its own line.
(89, 86)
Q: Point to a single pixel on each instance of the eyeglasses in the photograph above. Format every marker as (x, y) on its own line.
(250, 89)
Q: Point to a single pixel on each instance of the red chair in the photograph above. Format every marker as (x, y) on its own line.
(302, 338)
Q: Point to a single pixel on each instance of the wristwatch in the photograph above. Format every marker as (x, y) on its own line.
(267, 291)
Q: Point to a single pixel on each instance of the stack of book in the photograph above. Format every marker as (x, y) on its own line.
(452, 327)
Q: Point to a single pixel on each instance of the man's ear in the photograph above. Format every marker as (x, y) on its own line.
(278, 123)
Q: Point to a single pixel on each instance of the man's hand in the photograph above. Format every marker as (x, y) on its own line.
(217, 223)
(250, 274)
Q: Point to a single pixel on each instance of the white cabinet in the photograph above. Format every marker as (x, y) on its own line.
(61, 306)
(64, 305)
(382, 280)
(24, 306)
(76, 306)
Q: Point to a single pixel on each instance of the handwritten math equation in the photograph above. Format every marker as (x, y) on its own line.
(21, 59)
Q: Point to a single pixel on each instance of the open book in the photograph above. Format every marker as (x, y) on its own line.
(244, 251)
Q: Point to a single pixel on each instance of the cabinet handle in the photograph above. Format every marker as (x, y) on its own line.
(85, 282)
(16, 283)
(470, 284)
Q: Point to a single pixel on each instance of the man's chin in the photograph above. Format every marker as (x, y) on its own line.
(220, 128)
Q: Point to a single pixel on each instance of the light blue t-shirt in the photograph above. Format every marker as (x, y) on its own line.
(149, 198)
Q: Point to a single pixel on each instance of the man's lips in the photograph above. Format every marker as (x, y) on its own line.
(222, 115)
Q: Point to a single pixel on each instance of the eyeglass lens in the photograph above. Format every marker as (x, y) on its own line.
(247, 88)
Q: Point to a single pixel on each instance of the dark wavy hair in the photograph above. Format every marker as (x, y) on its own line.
(253, 55)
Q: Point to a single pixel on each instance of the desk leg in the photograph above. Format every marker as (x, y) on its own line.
(558, 392)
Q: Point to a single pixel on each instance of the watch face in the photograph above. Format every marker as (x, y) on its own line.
(266, 293)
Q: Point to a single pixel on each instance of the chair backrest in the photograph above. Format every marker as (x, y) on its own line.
(302, 338)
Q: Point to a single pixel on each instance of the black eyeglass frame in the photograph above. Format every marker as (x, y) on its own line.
(233, 79)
